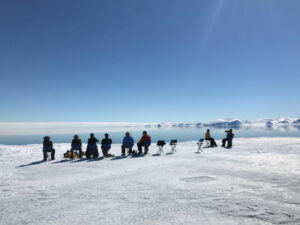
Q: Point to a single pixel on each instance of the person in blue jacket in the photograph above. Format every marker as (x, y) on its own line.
(76, 145)
(128, 142)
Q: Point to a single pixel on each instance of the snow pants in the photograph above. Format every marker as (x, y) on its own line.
(140, 145)
(105, 150)
(212, 142)
(124, 147)
(229, 141)
(92, 152)
(46, 155)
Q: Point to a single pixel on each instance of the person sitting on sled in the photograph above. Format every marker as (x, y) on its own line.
(48, 147)
(76, 145)
(145, 141)
(228, 138)
(209, 138)
(128, 142)
(106, 145)
(92, 149)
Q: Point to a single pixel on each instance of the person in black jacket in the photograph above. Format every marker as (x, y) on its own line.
(48, 147)
(92, 149)
(106, 145)
(76, 145)
(228, 138)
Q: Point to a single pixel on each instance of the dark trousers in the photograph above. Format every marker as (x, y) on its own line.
(46, 155)
(124, 147)
(212, 142)
(140, 145)
(92, 152)
(105, 150)
(229, 141)
(80, 152)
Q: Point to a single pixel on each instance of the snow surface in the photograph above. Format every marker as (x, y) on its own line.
(255, 182)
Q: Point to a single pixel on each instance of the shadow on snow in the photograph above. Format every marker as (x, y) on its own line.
(31, 164)
(119, 157)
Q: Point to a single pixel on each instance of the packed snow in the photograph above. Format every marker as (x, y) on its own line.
(255, 182)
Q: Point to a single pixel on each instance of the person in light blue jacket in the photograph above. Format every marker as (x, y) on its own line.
(128, 142)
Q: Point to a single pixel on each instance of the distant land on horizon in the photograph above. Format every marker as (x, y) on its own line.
(26, 128)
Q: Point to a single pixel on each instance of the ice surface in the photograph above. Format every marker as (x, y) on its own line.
(255, 182)
(34, 128)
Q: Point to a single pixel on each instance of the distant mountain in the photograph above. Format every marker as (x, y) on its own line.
(234, 123)
(296, 122)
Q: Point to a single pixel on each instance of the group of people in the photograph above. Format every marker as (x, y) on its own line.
(128, 143)
(92, 148)
(228, 139)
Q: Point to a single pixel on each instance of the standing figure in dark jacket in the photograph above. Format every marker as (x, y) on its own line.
(106, 145)
(92, 149)
(228, 138)
(48, 147)
(145, 141)
(128, 142)
(76, 145)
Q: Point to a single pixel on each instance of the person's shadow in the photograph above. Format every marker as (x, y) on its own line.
(119, 157)
(31, 164)
(169, 153)
(78, 160)
(62, 161)
(138, 155)
(95, 159)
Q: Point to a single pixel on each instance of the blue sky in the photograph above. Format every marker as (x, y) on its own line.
(148, 61)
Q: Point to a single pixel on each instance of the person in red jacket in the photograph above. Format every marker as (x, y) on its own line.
(145, 141)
